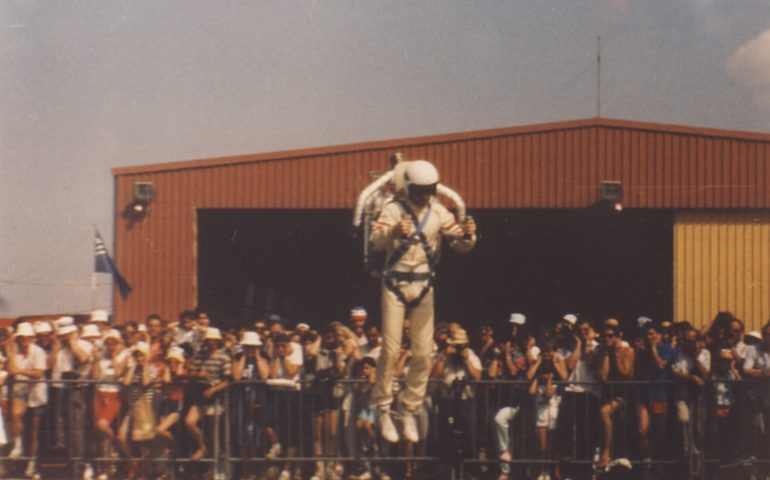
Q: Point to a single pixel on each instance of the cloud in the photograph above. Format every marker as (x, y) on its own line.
(750, 65)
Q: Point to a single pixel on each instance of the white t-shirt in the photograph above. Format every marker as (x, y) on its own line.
(456, 371)
(108, 373)
(295, 358)
(66, 361)
(757, 358)
(685, 364)
(36, 359)
(585, 379)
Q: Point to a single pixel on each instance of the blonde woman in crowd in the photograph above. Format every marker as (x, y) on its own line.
(140, 419)
(109, 366)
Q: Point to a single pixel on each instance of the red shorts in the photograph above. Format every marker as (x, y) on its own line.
(106, 406)
(721, 411)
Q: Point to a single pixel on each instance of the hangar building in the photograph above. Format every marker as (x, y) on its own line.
(270, 233)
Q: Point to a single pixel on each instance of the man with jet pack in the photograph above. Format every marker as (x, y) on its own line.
(409, 229)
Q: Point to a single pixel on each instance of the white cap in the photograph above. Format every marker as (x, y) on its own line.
(100, 316)
(570, 318)
(642, 321)
(302, 327)
(90, 331)
(755, 333)
(42, 327)
(518, 318)
(251, 339)
(358, 312)
(24, 329)
(65, 325)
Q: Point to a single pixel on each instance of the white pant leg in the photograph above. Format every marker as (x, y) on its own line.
(393, 312)
(421, 321)
(503, 419)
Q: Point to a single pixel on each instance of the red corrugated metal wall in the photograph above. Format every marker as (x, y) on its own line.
(549, 166)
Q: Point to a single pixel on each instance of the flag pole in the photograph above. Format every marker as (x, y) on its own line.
(93, 278)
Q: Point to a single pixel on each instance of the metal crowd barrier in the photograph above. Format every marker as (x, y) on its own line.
(720, 431)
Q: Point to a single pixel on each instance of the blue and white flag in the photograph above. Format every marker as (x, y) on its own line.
(103, 264)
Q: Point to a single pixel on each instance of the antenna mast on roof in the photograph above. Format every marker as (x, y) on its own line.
(598, 76)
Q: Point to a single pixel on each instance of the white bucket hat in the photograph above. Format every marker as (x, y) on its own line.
(100, 316)
(518, 318)
(212, 333)
(24, 329)
(42, 327)
(251, 339)
(65, 325)
(90, 331)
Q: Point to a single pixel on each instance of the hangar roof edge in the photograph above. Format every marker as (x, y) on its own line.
(442, 138)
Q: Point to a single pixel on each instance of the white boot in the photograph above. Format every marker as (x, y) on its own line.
(387, 429)
(410, 427)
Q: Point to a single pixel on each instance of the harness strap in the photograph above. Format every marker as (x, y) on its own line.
(408, 276)
(391, 277)
(391, 285)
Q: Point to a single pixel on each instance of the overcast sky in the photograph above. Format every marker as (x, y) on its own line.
(91, 85)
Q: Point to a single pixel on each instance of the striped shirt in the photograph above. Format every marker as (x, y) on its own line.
(218, 366)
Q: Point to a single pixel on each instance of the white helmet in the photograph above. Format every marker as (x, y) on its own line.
(420, 173)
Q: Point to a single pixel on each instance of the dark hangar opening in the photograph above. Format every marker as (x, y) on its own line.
(304, 265)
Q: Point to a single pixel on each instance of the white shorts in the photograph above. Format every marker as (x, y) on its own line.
(548, 412)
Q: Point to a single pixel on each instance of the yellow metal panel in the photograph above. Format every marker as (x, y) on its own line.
(722, 262)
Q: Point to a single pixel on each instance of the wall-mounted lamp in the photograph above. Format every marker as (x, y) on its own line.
(143, 196)
(611, 193)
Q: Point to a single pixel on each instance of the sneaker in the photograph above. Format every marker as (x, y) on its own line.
(387, 429)
(88, 472)
(332, 473)
(275, 451)
(410, 427)
(31, 469)
(319, 474)
(16, 452)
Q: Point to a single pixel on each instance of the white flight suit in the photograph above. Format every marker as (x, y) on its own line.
(440, 223)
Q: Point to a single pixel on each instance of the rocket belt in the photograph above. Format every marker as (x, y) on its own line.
(391, 278)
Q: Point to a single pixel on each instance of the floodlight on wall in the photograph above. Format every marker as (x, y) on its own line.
(611, 193)
(143, 196)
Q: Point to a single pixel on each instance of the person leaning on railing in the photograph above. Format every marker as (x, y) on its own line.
(691, 370)
(756, 366)
(249, 413)
(456, 367)
(548, 368)
(653, 361)
(71, 358)
(617, 365)
(212, 369)
(108, 368)
(27, 363)
(579, 432)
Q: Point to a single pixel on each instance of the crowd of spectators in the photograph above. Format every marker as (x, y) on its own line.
(570, 397)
